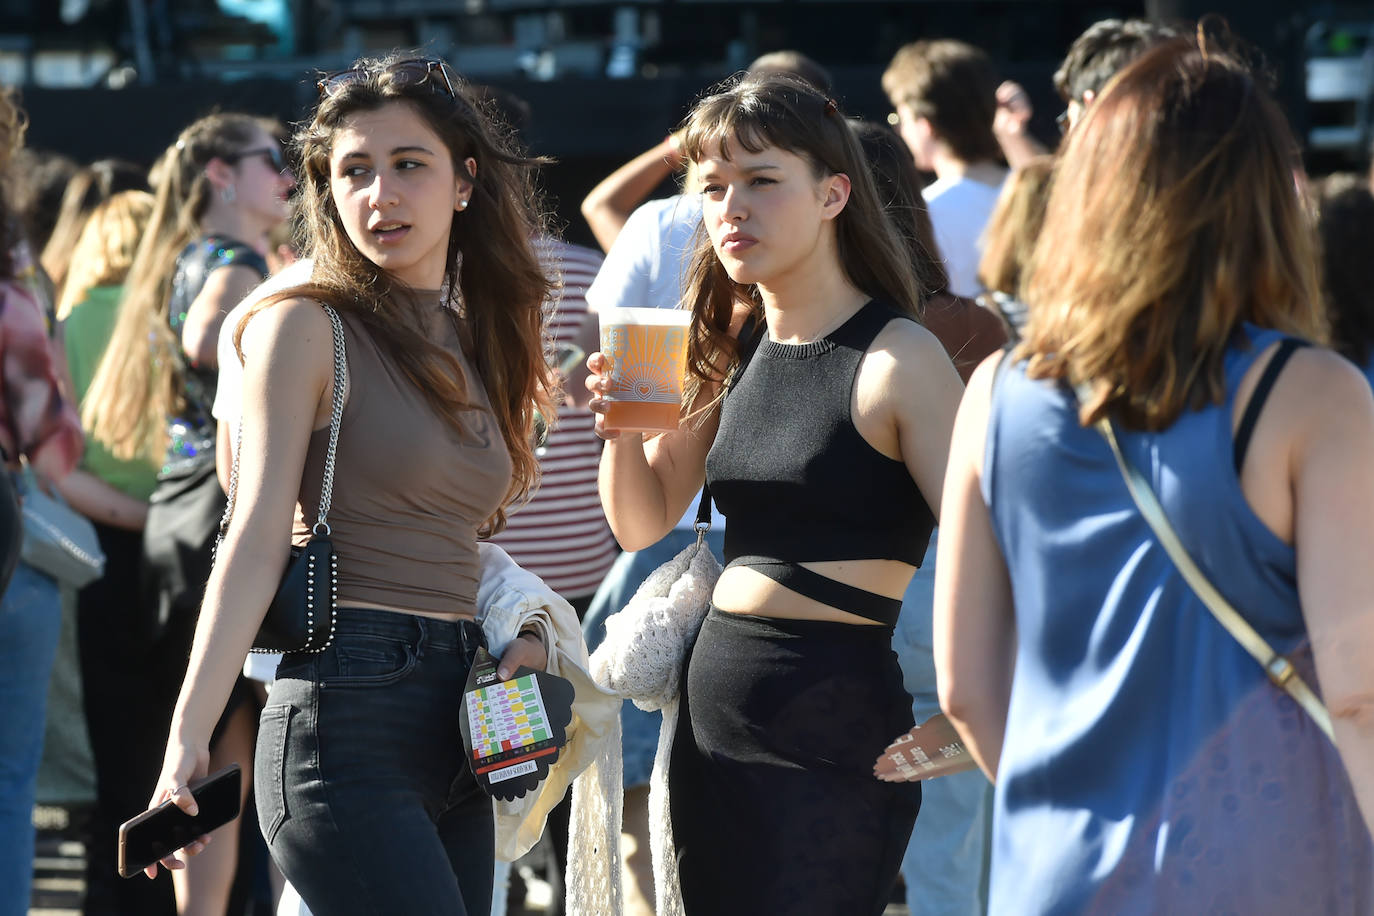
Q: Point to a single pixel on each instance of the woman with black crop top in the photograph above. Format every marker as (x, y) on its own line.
(826, 450)
(420, 220)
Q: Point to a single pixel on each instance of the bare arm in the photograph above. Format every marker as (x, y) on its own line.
(974, 618)
(287, 380)
(928, 392)
(223, 289)
(100, 502)
(612, 201)
(1333, 493)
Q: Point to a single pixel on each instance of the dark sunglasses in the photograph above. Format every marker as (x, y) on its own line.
(272, 154)
(410, 72)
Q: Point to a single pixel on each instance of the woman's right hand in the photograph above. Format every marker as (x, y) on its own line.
(598, 382)
(183, 762)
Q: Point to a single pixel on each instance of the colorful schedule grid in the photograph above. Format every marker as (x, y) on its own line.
(507, 717)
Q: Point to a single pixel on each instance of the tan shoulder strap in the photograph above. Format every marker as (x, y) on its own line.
(1279, 668)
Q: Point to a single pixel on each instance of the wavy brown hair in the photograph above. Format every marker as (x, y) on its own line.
(104, 251)
(491, 260)
(773, 110)
(131, 397)
(1172, 219)
(1015, 226)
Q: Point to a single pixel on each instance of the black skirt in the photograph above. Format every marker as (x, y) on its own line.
(774, 803)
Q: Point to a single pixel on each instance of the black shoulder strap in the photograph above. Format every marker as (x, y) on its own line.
(704, 506)
(865, 325)
(1260, 395)
(751, 334)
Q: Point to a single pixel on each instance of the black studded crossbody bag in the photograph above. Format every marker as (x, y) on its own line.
(302, 614)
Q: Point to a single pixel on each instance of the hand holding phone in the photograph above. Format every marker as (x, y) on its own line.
(155, 834)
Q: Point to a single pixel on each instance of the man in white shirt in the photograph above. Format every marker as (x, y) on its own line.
(945, 98)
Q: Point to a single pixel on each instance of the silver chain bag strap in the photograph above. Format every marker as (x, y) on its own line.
(308, 591)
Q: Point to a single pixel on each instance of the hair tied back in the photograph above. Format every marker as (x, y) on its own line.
(831, 108)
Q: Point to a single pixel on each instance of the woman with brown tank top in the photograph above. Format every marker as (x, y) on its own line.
(364, 794)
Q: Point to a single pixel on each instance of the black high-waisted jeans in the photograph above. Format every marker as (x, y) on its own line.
(364, 794)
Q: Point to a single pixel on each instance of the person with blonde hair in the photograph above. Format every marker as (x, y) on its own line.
(89, 187)
(1143, 760)
(220, 187)
(112, 492)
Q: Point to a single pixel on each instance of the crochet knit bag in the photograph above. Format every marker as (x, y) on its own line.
(641, 659)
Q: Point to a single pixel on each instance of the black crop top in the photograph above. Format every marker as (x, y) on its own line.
(798, 483)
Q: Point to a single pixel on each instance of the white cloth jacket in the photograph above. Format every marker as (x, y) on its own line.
(510, 598)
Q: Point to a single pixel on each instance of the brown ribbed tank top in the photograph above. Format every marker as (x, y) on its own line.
(409, 493)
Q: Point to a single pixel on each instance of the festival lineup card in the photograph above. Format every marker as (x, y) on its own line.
(931, 749)
(513, 729)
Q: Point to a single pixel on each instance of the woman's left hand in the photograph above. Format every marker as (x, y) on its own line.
(526, 650)
(183, 762)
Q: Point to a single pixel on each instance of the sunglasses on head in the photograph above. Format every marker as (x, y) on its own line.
(410, 72)
(272, 154)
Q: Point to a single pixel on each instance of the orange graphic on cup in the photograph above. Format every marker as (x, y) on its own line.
(646, 350)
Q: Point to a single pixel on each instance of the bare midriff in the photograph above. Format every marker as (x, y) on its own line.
(433, 615)
(742, 590)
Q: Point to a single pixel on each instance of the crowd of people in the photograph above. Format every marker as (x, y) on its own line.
(937, 321)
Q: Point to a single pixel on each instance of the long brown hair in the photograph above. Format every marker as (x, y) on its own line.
(104, 251)
(491, 259)
(1015, 226)
(899, 189)
(1172, 219)
(773, 110)
(135, 387)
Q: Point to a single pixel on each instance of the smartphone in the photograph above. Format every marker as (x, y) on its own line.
(163, 830)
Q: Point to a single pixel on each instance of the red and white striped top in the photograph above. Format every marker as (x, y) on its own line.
(561, 535)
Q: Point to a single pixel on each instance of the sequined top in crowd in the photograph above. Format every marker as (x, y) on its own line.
(191, 431)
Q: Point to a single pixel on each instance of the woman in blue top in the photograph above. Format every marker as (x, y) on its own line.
(1143, 762)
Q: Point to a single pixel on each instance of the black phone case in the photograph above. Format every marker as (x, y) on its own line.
(160, 831)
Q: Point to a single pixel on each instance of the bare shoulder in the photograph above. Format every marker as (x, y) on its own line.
(980, 382)
(293, 329)
(1324, 388)
(905, 350)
